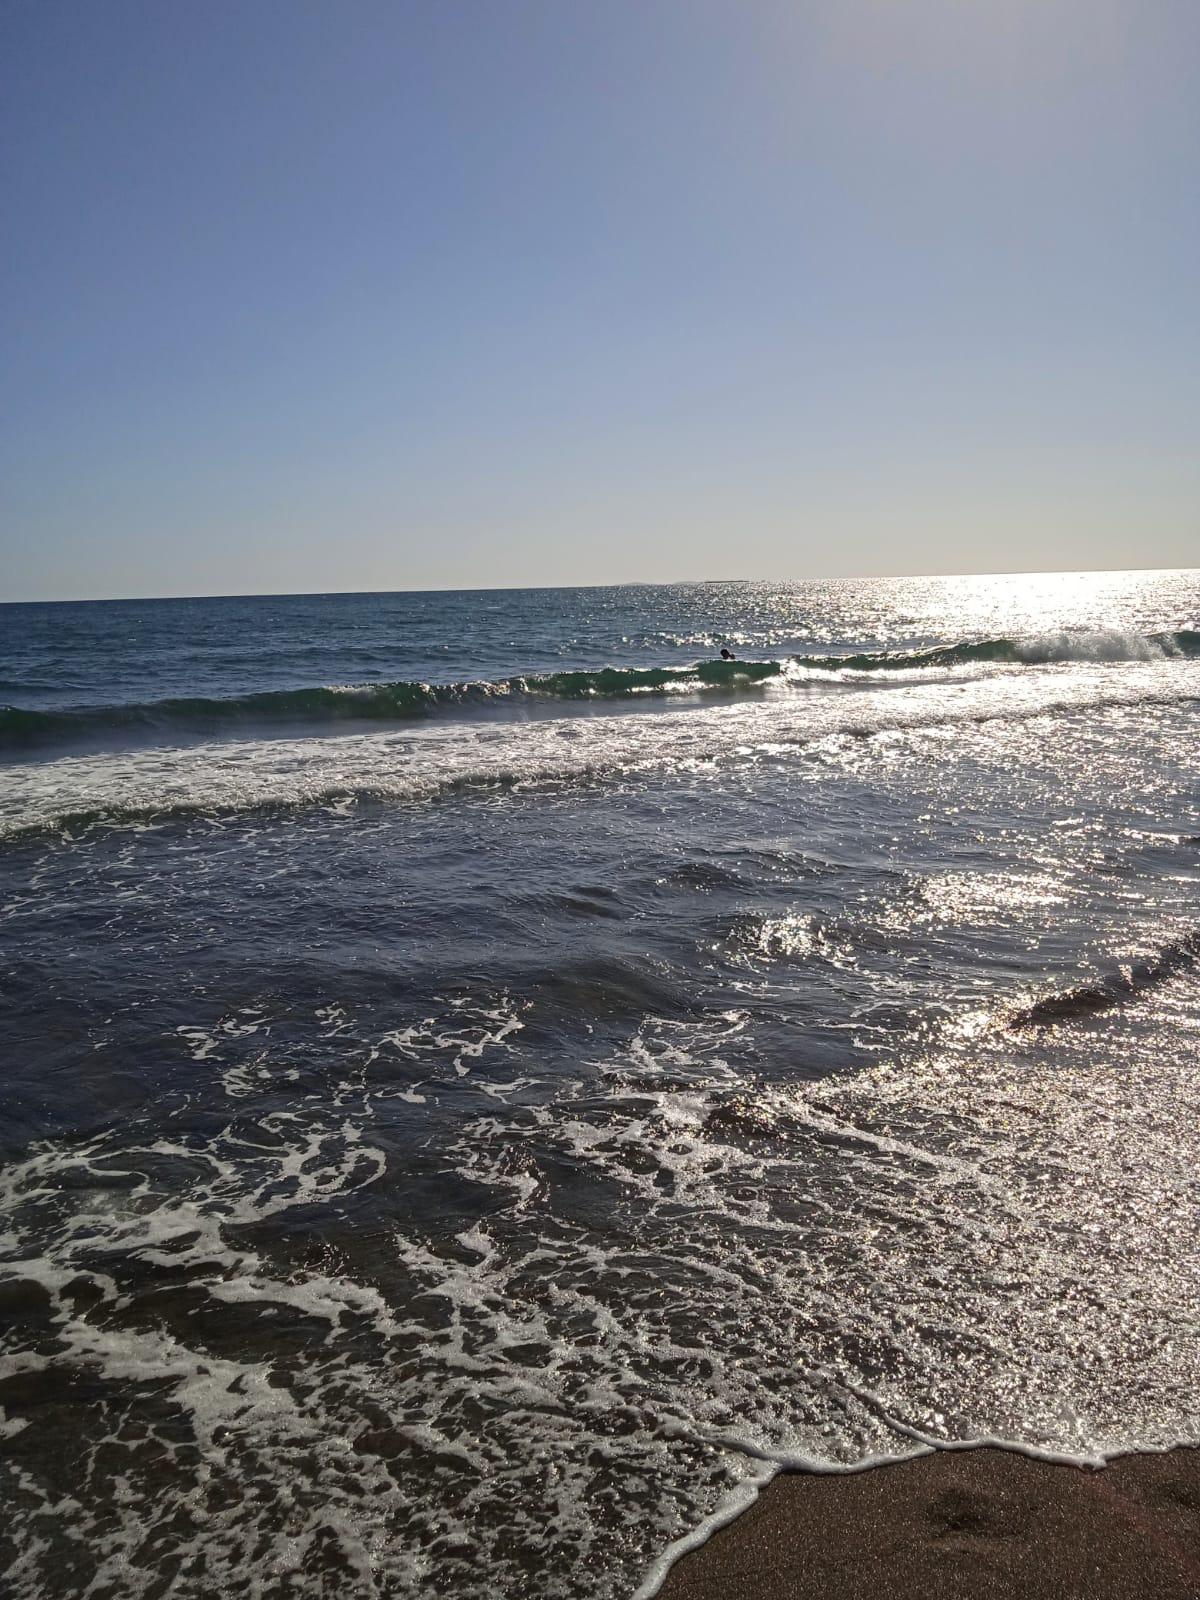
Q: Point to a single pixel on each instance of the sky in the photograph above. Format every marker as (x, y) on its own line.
(389, 294)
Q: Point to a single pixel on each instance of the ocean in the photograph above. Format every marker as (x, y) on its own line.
(483, 1083)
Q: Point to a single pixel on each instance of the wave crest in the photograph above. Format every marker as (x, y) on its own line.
(1111, 989)
(405, 699)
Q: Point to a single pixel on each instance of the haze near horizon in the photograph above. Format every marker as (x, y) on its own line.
(303, 298)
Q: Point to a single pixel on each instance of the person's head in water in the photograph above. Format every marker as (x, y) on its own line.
(727, 655)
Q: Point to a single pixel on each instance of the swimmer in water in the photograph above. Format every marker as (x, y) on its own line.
(727, 655)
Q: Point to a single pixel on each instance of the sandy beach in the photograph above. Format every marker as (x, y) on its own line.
(973, 1524)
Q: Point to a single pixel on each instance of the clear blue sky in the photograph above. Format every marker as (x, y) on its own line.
(419, 293)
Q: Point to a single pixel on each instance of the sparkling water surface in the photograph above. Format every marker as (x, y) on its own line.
(465, 1143)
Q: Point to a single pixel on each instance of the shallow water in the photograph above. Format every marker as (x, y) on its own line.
(461, 1145)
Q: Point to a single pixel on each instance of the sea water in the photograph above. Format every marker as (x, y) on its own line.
(483, 1083)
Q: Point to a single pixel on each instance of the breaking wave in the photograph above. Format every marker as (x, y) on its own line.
(1038, 650)
(373, 702)
(405, 699)
(1111, 989)
(279, 777)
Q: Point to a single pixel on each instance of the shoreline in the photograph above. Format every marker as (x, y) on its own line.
(978, 1523)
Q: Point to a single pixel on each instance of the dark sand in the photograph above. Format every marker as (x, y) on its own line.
(969, 1524)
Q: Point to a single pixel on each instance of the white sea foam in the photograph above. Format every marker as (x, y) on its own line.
(598, 1309)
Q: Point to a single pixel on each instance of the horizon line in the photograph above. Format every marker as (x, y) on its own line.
(634, 583)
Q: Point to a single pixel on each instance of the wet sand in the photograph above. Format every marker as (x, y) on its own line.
(969, 1524)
